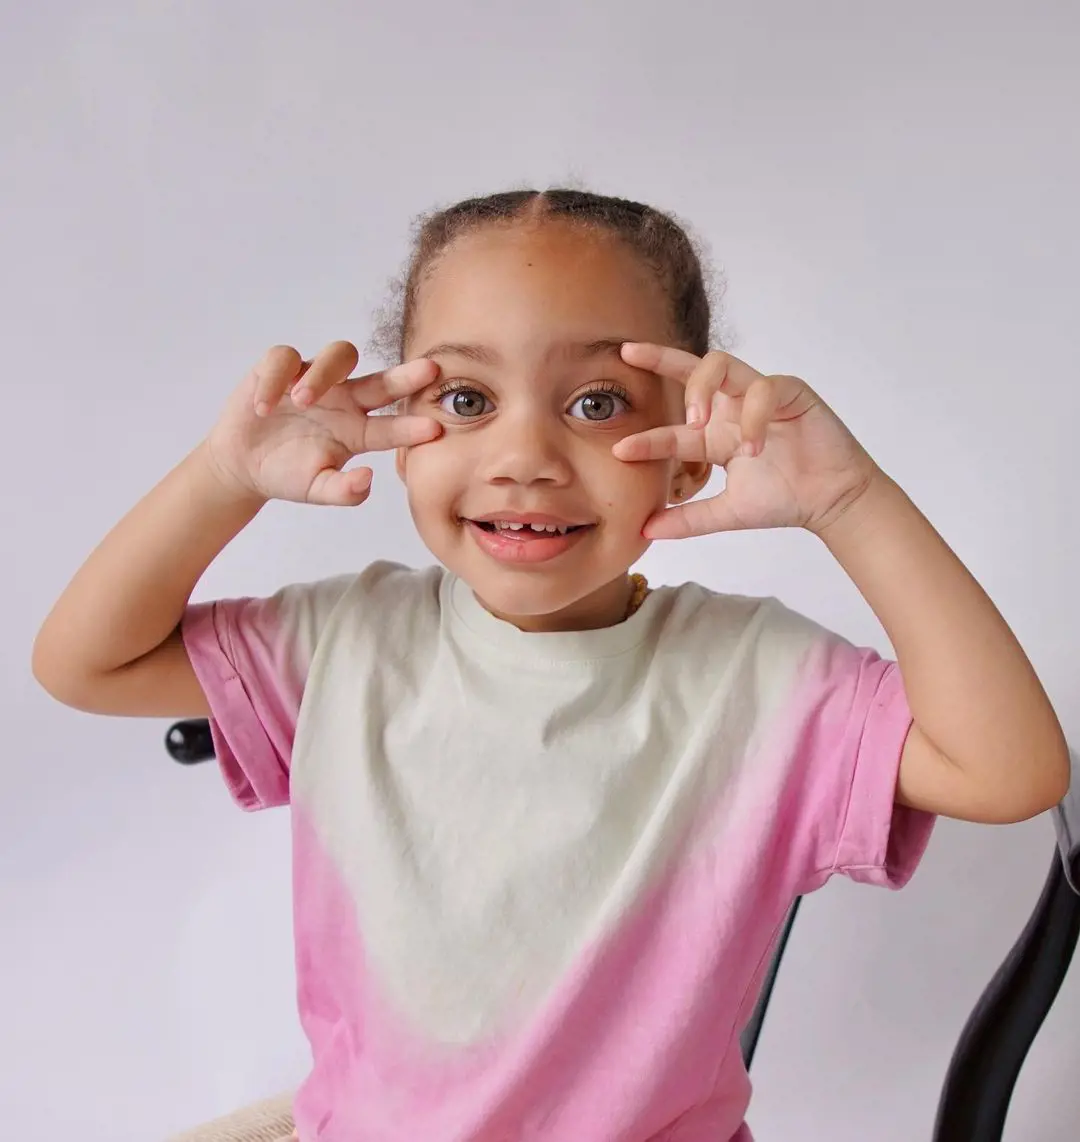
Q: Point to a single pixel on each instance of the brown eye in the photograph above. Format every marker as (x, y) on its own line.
(465, 403)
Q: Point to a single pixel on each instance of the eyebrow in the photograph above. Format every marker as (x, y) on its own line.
(484, 355)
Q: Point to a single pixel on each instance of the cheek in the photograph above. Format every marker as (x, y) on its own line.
(433, 473)
(632, 492)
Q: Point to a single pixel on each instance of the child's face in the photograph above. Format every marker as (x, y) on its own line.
(525, 324)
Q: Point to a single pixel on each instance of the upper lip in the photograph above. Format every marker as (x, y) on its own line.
(528, 517)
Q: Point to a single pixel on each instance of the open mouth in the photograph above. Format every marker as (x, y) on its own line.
(515, 542)
(527, 530)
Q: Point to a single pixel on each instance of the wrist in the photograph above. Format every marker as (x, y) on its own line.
(219, 483)
(851, 519)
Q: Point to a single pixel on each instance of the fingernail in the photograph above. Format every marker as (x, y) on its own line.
(262, 408)
(694, 416)
(301, 397)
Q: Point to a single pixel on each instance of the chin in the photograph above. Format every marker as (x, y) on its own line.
(540, 589)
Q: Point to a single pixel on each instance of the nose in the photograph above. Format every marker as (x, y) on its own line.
(524, 448)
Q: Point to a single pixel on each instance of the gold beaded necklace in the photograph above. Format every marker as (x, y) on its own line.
(639, 589)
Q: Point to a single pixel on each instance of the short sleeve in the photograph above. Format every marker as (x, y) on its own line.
(848, 719)
(880, 841)
(251, 656)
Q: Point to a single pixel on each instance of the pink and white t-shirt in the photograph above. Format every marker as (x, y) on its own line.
(538, 877)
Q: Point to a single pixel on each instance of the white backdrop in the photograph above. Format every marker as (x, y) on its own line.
(892, 193)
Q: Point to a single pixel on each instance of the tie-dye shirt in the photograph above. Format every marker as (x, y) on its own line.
(538, 877)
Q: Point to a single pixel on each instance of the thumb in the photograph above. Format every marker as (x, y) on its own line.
(699, 517)
(332, 488)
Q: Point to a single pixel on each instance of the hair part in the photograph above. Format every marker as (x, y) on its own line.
(661, 241)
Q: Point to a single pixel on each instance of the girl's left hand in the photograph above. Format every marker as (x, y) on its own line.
(789, 459)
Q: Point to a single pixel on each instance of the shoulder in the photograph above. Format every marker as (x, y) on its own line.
(392, 595)
(381, 591)
(698, 620)
(395, 584)
(691, 607)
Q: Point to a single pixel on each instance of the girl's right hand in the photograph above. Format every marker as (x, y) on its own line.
(293, 447)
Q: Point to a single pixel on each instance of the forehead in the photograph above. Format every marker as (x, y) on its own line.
(537, 290)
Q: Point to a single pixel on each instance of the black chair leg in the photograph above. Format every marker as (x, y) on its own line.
(1000, 1030)
(748, 1041)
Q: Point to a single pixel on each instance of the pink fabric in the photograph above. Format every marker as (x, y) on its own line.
(640, 1040)
(636, 1028)
(237, 649)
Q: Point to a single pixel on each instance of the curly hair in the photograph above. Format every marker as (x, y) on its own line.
(662, 242)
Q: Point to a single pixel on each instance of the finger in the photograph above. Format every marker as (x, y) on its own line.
(759, 406)
(377, 390)
(672, 441)
(679, 365)
(705, 384)
(722, 436)
(382, 433)
(699, 517)
(332, 488)
(329, 368)
(665, 361)
(278, 370)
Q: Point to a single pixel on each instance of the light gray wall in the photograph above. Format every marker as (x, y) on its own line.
(892, 192)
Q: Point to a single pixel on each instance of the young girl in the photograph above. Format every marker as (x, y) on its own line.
(547, 821)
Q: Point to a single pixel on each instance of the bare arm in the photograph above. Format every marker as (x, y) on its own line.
(986, 744)
(111, 643)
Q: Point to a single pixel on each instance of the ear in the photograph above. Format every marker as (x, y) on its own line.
(399, 463)
(688, 478)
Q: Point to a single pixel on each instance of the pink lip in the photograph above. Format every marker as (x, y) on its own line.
(517, 547)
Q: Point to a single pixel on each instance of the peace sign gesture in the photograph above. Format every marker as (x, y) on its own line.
(291, 427)
(789, 459)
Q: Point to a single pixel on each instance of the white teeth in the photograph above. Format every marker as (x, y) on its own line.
(549, 528)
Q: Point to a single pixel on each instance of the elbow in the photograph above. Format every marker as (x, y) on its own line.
(51, 681)
(41, 665)
(1046, 788)
(1045, 773)
(1027, 789)
(1060, 780)
(51, 673)
(1057, 770)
